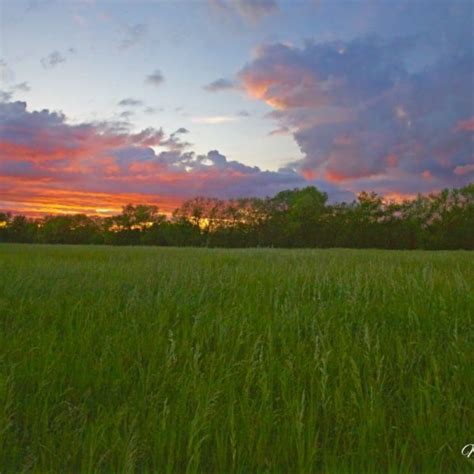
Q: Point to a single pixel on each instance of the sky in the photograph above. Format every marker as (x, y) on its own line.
(104, 103)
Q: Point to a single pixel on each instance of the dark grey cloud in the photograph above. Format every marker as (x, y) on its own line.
(53, 59)
(130, 102)
(22, 87)
(243, 113)
(174, 142)
(5, 96)
(126, 114)
(152, 110)
(155, 78)
(180, 131)
(219, 85)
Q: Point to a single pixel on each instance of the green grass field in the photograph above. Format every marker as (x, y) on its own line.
(196, 360)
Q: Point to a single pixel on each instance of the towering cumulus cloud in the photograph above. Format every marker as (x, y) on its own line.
(394, 115)
(49, 165)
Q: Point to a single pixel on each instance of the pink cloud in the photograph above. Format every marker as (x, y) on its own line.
(50, 164)
(464, 169)
(465, 125)
(427, 175)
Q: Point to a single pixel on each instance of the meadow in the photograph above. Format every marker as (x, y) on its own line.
(172, 360)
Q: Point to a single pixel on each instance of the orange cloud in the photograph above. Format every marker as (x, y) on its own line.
(49, 166)
(399, 197)
(32, 198)
(335, 176)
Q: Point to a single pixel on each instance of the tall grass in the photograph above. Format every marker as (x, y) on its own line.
(195, 360)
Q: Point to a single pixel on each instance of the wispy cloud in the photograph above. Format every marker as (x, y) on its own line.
(6, 73)
(152, 110)
(214, 119)
(255, 10)
(6, 95)
(279, 131)
(133, 35)
(126, 114)
(250, 11)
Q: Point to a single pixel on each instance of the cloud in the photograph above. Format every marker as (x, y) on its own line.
(152, 110)
(251, 11)
(255, 10)
(50, 165)
(214, 119)
(279, 131)
(174, 142)
(219, 85)
(155, 78)
(52, 60)
(243, 113)
(5, 96)
(126, 114)
(464, 169)
(465, 125)
(364, 115)
(35, 4)
(6, 73)
(130, 102)
(319, 75)
(22, 87)
(133, 35)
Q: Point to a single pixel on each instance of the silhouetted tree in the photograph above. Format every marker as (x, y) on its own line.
(292, 218)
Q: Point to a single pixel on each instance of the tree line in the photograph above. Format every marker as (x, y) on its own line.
(293, 218)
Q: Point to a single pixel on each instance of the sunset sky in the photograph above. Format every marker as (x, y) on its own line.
(108, 102)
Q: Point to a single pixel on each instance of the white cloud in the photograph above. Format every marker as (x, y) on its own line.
(214, 119)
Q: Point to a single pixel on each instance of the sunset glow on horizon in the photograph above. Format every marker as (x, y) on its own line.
(105, 103)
